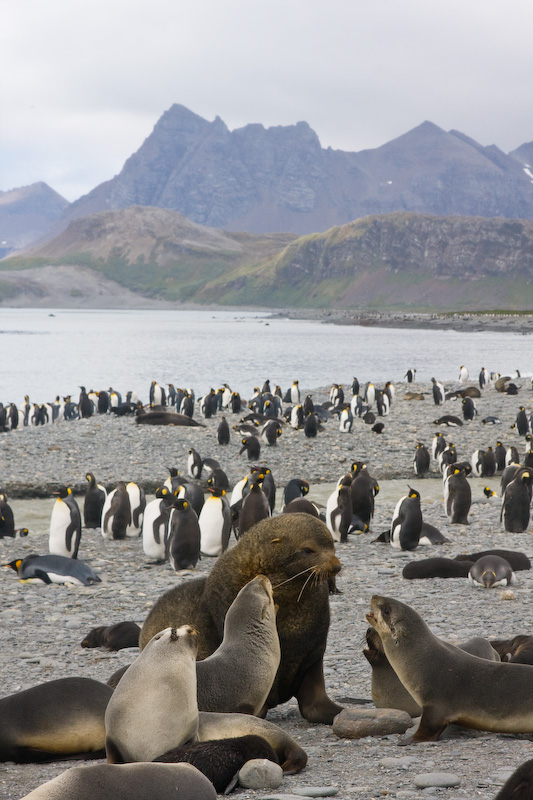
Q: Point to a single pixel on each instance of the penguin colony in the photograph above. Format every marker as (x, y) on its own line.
(348, 511)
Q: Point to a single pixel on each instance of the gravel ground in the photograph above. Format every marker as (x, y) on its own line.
(41, 627)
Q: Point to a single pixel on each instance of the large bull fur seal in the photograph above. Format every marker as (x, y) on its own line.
(452, 687)
(297, 553)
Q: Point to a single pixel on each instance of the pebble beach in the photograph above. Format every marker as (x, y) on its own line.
(42, 626)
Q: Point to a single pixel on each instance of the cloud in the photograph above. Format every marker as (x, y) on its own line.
(87, 81)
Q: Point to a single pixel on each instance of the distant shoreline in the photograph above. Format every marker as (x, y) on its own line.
(459, 321)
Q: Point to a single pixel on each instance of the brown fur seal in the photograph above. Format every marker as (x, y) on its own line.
(59, 718)
(113, 637)
(387, 689)
(126, 781)
(224, 726)
(154, 706)
(519, 786)
(221, 759)
(436, 567)
(452, 687)
(297, 553)
(516, 559)
(518, 650)
(239, 675)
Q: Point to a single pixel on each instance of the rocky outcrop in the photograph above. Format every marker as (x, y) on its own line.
(281, 179)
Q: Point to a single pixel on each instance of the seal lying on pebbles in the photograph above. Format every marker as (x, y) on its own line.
(297, 553)
(387, 689)
(125, 781)
(224, 726)
(518, 650)
(113, 637)
(221, 759)
(451, 686)
(154, 706)
(76, 706)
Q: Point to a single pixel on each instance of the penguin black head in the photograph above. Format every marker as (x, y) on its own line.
(488, 492)
(413, 494)
(14, 565)
(62, 492)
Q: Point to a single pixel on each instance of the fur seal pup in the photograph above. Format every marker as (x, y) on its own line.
(58, 718)
(221, 759)
(516, 559)
(162, 417)
(519, 786)
(224, 726)
(451, 686)
(126, 781)
(154, 705)
(518, 650)
(239, 674)
(113, 637)
(490, 571)
(436, 568)
(297, 553)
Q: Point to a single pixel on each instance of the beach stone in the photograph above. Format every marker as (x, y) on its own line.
(356, 723)
(315, 791)
(442, 780)
(260, 773)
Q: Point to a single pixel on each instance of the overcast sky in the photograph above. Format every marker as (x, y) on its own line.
(85, 81)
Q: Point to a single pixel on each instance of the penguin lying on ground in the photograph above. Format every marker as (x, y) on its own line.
(53, 569)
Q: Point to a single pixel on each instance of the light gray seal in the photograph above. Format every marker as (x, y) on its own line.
(127, 781)
(239, 675)
(452, 687)
(154, 706)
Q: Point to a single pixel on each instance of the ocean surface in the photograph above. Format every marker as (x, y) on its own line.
(48, 352)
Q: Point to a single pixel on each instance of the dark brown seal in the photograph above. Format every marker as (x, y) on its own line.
(221, 759)
(518, 650)
(451, 686)
(113, 637)
(297, 553)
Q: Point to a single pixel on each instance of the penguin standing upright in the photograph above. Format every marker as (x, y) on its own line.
(499, 455)
(447, 457)
(483, 378)
(255, 507)
(215, 524)
(339, 511)
(94, 502)
(522, 423)
(516, 503)
(223, 432)
(346, 420)
(85, 405)
(469, 409)
(194, 464)
(421, 460)
(7, 518)
(295, 393)
(267, 483)
(438, 392)
(463, 374)
(116, 514)
(406, 524)
(459, 497)
(270, 432)
(137, 504)
(410, 375)
(155, 524)
(310, 426)
(363, 489)
(65, 525)
(438, 445)
(183, 542)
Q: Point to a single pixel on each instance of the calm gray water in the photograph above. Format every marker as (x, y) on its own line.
(48, 352)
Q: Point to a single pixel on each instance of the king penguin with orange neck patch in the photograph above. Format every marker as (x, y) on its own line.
(65, 525)
(407, 522)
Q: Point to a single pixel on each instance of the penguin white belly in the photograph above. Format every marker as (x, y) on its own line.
(154, 532)
(331, 504)
(396, 526)
(238, 489)
(59, 522)
(211, 523)
(137, 508)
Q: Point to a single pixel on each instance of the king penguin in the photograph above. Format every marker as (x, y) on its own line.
(421, 460)
(516, 503)
(137, 504)
(155, 524)
(215, 524)
(458, 497)
(116, 514)
(53, 569)
(183, 544)
(255, 507)
(65, 525)
(94, 503)
(339, 511)
(194, 464)
(406, 522)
